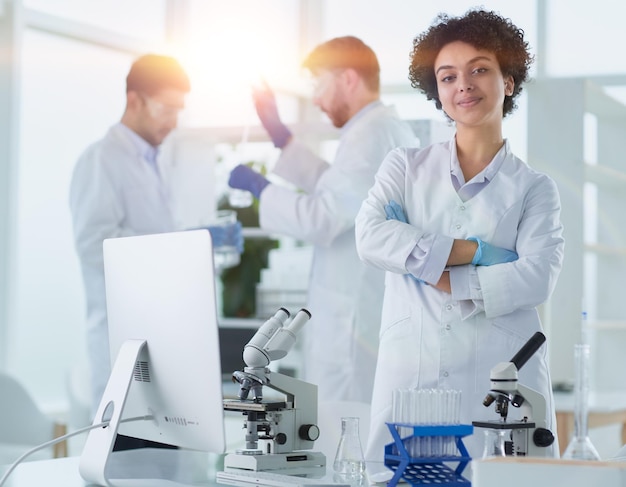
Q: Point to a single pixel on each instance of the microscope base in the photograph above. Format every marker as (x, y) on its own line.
(275, 461)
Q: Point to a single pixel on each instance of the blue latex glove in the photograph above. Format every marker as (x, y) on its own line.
(487, 254)
(265, 104)
(227, 235)
(395, 212)
(243, 177)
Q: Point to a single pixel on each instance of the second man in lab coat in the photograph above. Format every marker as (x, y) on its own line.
(120, 189)
(345, 295)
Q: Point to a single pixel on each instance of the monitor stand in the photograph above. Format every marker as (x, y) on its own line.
(100, 441)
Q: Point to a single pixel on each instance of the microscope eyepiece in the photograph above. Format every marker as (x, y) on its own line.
(529, 348)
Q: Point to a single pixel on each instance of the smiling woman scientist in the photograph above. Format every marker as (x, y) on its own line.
(458, 300)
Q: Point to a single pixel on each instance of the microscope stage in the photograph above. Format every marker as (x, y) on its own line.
(238, 405)
(499, 425)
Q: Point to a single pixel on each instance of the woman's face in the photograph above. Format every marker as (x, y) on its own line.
(471, 85)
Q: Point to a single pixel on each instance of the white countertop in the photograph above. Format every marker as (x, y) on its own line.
(145, 467)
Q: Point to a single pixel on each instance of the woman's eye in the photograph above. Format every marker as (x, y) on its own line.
(479, 70)
(447, 78)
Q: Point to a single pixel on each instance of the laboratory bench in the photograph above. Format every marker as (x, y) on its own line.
(146, 468)
(141, 468)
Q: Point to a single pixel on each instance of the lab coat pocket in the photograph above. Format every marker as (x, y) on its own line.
(496, 342)
(400, 339)
(503, 340)
(394, 316)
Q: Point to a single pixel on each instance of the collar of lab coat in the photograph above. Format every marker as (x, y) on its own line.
(483, 177)
(144, 149)
(361, 114)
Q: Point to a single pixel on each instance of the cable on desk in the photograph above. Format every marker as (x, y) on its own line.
(104, 424)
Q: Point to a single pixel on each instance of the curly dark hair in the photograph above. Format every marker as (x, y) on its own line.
(482, 30)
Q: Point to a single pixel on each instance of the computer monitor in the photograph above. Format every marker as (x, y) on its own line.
(164, 346)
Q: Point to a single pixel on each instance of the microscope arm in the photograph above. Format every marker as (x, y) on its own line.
(305, 392)
(534, 405)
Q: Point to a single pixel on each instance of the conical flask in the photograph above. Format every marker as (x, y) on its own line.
(580, 446)
(494, 443)
(349, 460)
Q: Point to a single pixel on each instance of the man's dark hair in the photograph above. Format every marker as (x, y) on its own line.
(346, 52)
(152, 73)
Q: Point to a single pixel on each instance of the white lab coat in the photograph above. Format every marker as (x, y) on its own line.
(430, 339)
(114, 192)
(345, 295)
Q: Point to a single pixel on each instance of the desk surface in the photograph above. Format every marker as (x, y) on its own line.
(135, 468)
(141, 468)
(63, 472)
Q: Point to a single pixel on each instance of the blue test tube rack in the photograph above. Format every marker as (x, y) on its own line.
(427, 470)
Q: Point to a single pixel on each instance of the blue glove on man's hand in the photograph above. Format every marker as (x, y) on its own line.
(243, 177)
(229, 235)
(265, 104)
(395, 212)
(487, 254)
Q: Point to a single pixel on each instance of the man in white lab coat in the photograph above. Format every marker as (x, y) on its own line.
(118, 190)
(345, 295)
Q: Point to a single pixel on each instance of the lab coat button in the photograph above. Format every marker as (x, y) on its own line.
(449, 307)
(448, 327)
(445, 374)
(461, 208)
(458, 226)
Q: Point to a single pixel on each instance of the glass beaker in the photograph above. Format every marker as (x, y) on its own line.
(494, 443)
(349, 460)
(240, 198)
(225, 256)
(580, 446)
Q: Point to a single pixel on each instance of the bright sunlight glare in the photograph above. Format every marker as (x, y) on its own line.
(226, 61)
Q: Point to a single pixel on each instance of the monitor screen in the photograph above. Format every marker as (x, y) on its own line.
(160, 293)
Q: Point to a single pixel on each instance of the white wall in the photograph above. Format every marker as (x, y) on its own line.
(71, 92)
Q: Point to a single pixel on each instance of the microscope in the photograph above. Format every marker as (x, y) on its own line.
(279, 434)
(529, 435)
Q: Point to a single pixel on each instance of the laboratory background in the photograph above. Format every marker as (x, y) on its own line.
(62, 74)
